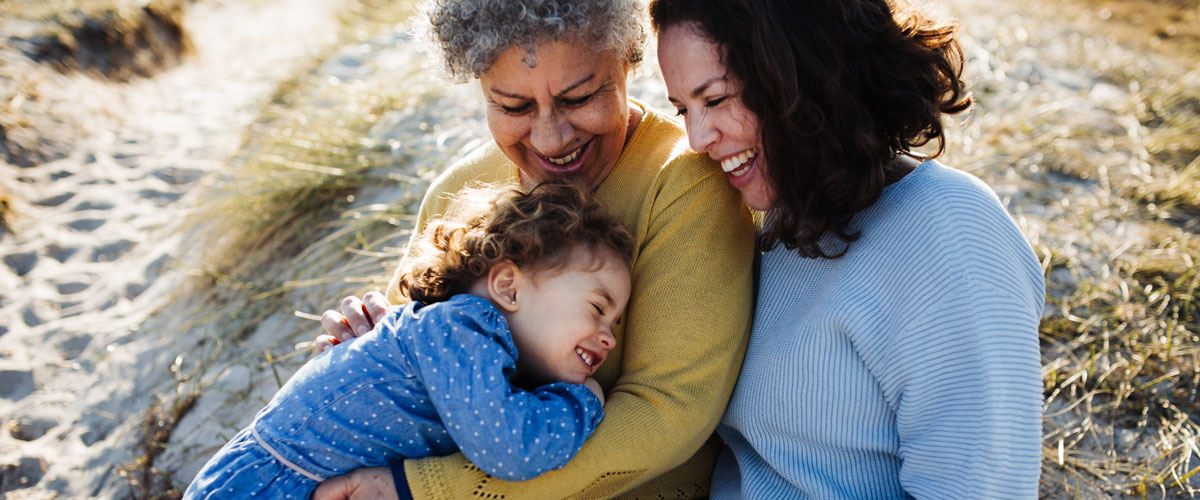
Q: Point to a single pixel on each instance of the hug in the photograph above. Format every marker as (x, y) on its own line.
(816, 308)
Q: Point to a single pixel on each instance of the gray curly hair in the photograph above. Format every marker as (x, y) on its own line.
(471, 34)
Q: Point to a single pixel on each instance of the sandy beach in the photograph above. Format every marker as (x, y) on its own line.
(95, 250)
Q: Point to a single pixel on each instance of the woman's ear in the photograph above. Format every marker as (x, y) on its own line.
(502, 283)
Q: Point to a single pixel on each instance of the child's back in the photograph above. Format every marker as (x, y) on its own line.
(427, 381)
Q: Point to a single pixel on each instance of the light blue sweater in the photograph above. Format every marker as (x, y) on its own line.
(908, 368)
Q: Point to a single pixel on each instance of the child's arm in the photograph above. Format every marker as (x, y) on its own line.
(507, 432)
(592, 384)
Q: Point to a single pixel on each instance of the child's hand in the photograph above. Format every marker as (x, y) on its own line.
(592, 384)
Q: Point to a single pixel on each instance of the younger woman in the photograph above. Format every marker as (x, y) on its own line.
(532, 282)
(894, 352)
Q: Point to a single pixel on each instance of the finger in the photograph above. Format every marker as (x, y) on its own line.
(375, 304)
(325, 342)
(352, 309)
(335, 324)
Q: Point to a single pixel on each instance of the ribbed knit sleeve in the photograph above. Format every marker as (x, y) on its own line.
(681, 340)
(907, 368)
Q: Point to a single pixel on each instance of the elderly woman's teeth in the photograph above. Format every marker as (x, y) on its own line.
(565, 159)
(733, 162)
(587, 358)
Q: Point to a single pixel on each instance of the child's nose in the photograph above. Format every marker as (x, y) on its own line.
(607, 340)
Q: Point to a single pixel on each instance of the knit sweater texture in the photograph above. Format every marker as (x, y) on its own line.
(908, 368)
(679, 345)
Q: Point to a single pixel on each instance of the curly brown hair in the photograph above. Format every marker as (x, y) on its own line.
(840, 88)
(538, 230)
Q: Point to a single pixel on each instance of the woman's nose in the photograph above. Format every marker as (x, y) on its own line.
(701, 134)
(551, 133)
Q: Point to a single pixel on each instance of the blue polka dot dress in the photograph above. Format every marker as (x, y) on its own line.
(429, 380)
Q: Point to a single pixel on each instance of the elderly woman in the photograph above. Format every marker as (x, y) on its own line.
(553, 77)
(894, 352)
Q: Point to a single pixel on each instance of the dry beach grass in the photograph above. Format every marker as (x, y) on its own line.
(1087, 126)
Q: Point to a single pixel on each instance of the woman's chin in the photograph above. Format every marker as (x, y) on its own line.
(757, 200)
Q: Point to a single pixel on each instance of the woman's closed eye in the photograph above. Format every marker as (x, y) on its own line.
(578, 101)
(716, 101)
(516, 110)
(711, 103)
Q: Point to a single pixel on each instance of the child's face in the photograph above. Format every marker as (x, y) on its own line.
(565, 317)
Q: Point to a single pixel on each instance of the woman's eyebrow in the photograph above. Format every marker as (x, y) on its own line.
(575, 85)
(569, 88)
(704, 86)
(700, 89)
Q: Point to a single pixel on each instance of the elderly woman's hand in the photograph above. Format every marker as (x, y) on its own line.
(356, 318)
(369, 483)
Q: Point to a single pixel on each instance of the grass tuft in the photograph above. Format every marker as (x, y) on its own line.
(113, 39)
(6, 212)
(145, 481)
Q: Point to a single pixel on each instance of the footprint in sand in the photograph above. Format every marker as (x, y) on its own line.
(132, 290)
(71, 286)
(72, 346)
(32, 425)
(59, 252)
(86, 225)
(25, 472)
(93, 205)
(55, 200)
(156, 267)
(34, 314)
(111, 251)
(178, 175)
(98, 428)
(130, 160)
(159, 197)
(21, 262)
(16, 384)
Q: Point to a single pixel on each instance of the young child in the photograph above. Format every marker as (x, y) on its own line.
(528, 284)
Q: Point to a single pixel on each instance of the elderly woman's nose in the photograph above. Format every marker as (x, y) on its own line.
(551, 134)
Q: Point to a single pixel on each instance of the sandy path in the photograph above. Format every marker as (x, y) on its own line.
(94, 253)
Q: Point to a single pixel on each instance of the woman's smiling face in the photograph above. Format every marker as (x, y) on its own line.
(568, 116)
(709, 100)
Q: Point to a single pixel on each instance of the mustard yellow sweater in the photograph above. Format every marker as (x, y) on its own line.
(679, 346)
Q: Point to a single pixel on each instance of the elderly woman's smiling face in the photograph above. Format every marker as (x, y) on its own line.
(568, 116)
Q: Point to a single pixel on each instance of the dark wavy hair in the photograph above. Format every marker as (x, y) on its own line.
(840, 89)
(538, 230)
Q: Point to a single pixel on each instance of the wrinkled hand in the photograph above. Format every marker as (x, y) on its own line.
(356, 318)
(592, 384)
(368, 483)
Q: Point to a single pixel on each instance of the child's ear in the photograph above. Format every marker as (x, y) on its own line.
(503, 281)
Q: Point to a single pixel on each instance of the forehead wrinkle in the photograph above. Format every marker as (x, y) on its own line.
(568, 89)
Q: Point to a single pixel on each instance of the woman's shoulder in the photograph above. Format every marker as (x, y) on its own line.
(937, 191)
(482, 163)
(942, 217)
(659, 154)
